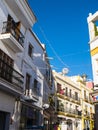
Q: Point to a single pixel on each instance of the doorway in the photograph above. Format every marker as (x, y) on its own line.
(4, 120)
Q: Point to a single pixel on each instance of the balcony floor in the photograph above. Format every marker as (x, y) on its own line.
(10, 41)
(10, 88)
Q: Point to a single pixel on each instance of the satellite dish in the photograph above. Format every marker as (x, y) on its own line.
(65, 71)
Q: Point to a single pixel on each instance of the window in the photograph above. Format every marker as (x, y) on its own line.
(35, 83)
(28, 81)
(66, 91)
(6, 66)
(58, 87)
(6, 58)
(70, 93)
(66, 106)
(35, 88)
(70, 108)
(14, 28)
(76, 107)
(4, 119)
(58, 104)
(76, 95)
(84, 94)
(91, 110)
(30, 50)
(86, 108)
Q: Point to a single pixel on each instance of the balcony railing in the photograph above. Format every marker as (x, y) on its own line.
(9, 74)
(86, 113)
(68, 110)
(67, 94)
(35, 92)
(75, 97)
(10, 27)
(72, 111)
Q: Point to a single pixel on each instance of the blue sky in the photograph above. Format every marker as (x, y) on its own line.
(62, 26)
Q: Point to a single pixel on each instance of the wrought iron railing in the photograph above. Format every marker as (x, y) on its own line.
(9, 27)
(67, 94)
(68, 110)
(11, 75)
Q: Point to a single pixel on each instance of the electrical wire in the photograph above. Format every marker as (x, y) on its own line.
(53, 50)
(75, 53)
(55, 53)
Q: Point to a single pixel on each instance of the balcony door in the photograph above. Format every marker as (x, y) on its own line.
(15, 26)
(27, 86)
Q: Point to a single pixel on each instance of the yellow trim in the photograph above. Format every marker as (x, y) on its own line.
(91, 123)
(63, 96)
(61, 113)
(82, 124)
(94, 51)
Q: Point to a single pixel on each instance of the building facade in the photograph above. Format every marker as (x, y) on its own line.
(25, 72)
(68, 103)
(87, 105)
(93, 42)
(74, 104)
(11, 77)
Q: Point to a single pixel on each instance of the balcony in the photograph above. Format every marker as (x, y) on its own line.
(86, 113)
(35, 93)
(31, 95)
(11, 81)
(73, 111)
(68, 111)
(60, 106)
(12, 36)
(68, 96)
(74, 98)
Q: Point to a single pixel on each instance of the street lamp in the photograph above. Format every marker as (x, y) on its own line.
(45, 106)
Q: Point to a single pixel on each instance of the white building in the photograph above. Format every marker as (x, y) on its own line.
(24, 69)
(93, 35)
(11, 43)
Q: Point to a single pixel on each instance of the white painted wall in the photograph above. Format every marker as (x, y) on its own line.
(6, 102)
(95, 68)
(93, 44)
(35, 66)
